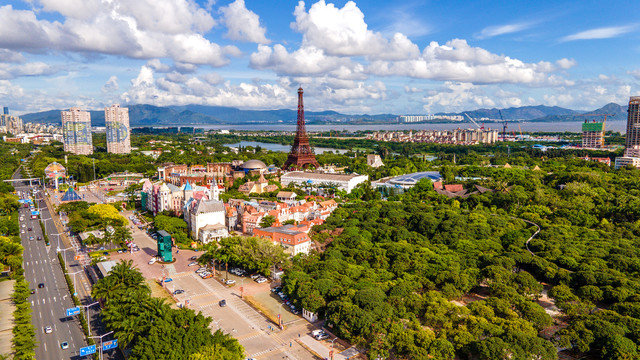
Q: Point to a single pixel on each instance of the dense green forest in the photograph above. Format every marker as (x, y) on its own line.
(423, 275)
(150, 329)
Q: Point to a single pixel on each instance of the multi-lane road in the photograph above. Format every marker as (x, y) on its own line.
(50, 301)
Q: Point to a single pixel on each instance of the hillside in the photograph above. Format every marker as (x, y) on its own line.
(150, 115)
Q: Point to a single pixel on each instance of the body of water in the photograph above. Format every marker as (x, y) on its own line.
(282, 148)
(563, 126)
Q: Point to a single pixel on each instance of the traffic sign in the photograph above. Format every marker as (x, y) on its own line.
(73, 311)
(88, 350)
(111, 344)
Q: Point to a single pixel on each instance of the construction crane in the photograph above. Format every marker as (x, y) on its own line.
(504, 126)
(520, 129)
(474, 122)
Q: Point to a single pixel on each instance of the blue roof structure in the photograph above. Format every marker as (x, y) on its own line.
(187, 187)
(71, 195)
(412, 179)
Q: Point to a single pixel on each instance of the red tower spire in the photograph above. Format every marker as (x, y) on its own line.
(301, 154)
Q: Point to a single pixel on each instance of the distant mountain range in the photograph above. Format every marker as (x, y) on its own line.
(149, 115)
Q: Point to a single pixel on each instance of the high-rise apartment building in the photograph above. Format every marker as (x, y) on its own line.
(10, 124)
(632, 143)
(632, 140)
(118, 132)
(76, 130)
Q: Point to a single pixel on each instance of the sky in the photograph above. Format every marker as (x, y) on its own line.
(366, 57)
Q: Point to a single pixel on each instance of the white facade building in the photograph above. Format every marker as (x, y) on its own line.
(202, 213)
(117, 129)
(321, 180)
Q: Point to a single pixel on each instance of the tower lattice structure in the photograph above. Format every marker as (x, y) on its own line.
(301, 155)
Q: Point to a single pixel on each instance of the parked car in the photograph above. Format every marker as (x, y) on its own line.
(201, 270)
(276, 289)
(178, 292)
(255, 276)
(230, 282)
(193, 264)
(168, 280)
(261, 280)
(193, 258)
(153, 260)
(208, 275)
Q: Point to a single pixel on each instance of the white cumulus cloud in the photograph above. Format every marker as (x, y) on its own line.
(243, 24)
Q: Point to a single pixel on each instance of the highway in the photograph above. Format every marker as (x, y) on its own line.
(49, 303)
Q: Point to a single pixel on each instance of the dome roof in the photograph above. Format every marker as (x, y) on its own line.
(254, 164)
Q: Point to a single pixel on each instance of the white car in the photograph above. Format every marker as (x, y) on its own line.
(201, 270)
(193, 264)
(230, 282)
(48, 330)
(261, 280)
(152, 261)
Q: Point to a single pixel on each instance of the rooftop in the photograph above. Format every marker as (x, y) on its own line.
(412, 179)
(319, 176)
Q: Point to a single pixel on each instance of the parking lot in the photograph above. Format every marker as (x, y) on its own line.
(253, 330)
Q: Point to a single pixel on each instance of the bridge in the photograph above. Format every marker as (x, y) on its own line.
(20, 180)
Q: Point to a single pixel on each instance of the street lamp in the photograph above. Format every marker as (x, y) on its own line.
(88, 318)
(64, 252)
(74, 282)
(101, 336)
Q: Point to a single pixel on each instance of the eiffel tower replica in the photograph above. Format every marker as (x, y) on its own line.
(301, 155)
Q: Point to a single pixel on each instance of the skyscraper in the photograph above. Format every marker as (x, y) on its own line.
(117, 123)
(632, 142)
(76, 130)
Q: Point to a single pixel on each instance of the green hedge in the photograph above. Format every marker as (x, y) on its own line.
(24, 336)
(44, 233)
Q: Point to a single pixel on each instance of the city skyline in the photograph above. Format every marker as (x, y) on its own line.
(352, 57)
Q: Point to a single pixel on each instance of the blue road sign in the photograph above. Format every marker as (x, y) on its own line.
(111, 344)
(73, 311)
(88, 350)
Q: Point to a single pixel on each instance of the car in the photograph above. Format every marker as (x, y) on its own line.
(208, 275)
(201, 270)
(153, 261)
(255, 276)
(101, 248)
(105, 253)
(33, 291)
(223, 303)
(276, 289)
(48, 330)
(261, 280)
(64, 345)
(193, 264)
(39, 238)
(120, 251)
(30, 237)
(41, 285)
(230, 282)
(193, 258)
(23, 225)
(178, 292)
(135, 249)
(168, 280)
(30, 229)
(322, 337)
(22, 232)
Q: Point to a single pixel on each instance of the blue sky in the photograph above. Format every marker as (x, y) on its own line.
(401, 57)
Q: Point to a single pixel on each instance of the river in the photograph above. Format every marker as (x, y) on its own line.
(283, 148)
(563, 126)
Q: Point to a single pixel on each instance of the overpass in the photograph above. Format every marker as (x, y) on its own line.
(20, 180)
